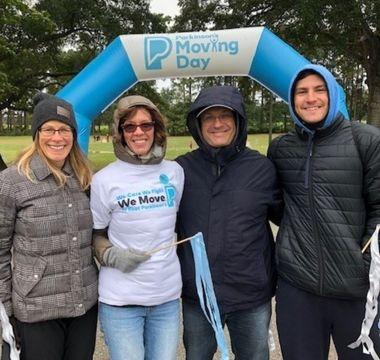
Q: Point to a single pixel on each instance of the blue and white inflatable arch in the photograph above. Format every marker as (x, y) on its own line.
(254, 52)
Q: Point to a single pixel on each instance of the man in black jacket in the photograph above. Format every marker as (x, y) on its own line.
(230, 192)
(329, 169)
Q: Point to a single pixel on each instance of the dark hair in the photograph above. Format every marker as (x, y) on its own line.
(305, 73)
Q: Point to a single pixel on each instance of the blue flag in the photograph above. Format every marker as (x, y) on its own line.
(206, 293)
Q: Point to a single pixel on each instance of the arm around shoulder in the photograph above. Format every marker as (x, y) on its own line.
(125, 260)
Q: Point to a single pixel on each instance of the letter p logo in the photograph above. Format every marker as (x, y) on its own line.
(156, 49)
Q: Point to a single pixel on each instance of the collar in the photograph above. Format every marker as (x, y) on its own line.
(155, 155)
(320, 133)
(221, 156)
(41, 170)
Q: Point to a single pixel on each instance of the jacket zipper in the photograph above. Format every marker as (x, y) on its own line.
(309, 186)
(308, 160)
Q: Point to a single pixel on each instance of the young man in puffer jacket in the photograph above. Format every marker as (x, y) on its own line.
(329, 169)
(229, 194)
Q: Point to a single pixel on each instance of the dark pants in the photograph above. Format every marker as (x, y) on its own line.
(61, 339)
(248, 332)
(305, 323)
(5, 351)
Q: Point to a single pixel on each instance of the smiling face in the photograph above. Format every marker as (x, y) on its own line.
(311, 100)
(56, 146)
(218, 126)
(140, 137)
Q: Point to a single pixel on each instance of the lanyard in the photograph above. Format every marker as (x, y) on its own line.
(372, 300)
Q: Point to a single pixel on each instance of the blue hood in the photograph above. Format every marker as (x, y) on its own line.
(333, 91)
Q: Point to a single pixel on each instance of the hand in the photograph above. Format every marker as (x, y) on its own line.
(125, 260)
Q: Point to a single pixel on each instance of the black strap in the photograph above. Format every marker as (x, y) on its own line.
(355, 128)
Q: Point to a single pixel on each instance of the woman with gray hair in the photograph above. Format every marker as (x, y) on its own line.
(134, 202)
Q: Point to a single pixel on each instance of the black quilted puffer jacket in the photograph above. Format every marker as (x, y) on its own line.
(229, 194)
(331, 187)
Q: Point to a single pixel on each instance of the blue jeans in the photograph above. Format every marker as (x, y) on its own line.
(141, 332)
(248, 332)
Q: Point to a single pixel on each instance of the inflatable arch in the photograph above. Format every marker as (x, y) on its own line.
(254, 52)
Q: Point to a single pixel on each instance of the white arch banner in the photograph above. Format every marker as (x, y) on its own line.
(254, 52)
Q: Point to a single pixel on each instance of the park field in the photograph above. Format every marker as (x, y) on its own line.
(101, 152)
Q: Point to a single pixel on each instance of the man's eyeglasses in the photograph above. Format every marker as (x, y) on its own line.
(225, 116)
(63, 131)
(130, 128)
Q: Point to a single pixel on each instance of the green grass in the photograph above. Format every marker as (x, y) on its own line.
(10, 146)
(101, 153)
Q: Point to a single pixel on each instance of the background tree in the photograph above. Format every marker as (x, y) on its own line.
(42, 46)
(45, 43)
(24, 56)
(343, 35)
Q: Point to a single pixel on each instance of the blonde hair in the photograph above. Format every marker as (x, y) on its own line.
(77, 160)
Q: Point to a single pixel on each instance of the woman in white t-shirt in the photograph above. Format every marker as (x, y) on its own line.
(134, 202)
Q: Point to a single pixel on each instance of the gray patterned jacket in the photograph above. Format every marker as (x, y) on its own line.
(48, 230)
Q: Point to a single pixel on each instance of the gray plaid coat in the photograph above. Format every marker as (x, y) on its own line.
(48, 230)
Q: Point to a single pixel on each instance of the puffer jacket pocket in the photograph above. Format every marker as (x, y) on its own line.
(27, 276)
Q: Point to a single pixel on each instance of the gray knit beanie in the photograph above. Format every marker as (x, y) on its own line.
(49, 107)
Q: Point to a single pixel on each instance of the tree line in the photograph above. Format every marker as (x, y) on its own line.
(45, 43)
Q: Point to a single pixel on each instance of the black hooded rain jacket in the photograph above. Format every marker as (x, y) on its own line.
(229, 194)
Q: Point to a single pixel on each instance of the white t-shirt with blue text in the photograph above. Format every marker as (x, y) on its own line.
(138, 204)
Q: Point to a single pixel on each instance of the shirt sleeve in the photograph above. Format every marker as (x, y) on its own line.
(100, 209)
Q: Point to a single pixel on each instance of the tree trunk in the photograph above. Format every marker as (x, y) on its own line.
(374, 98)
(371, 46)
(25, 120)
(10, 120)
(284, 120)
(350, 92)
(270, 125)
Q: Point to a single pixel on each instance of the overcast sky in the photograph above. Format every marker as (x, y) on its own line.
(167, 7)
